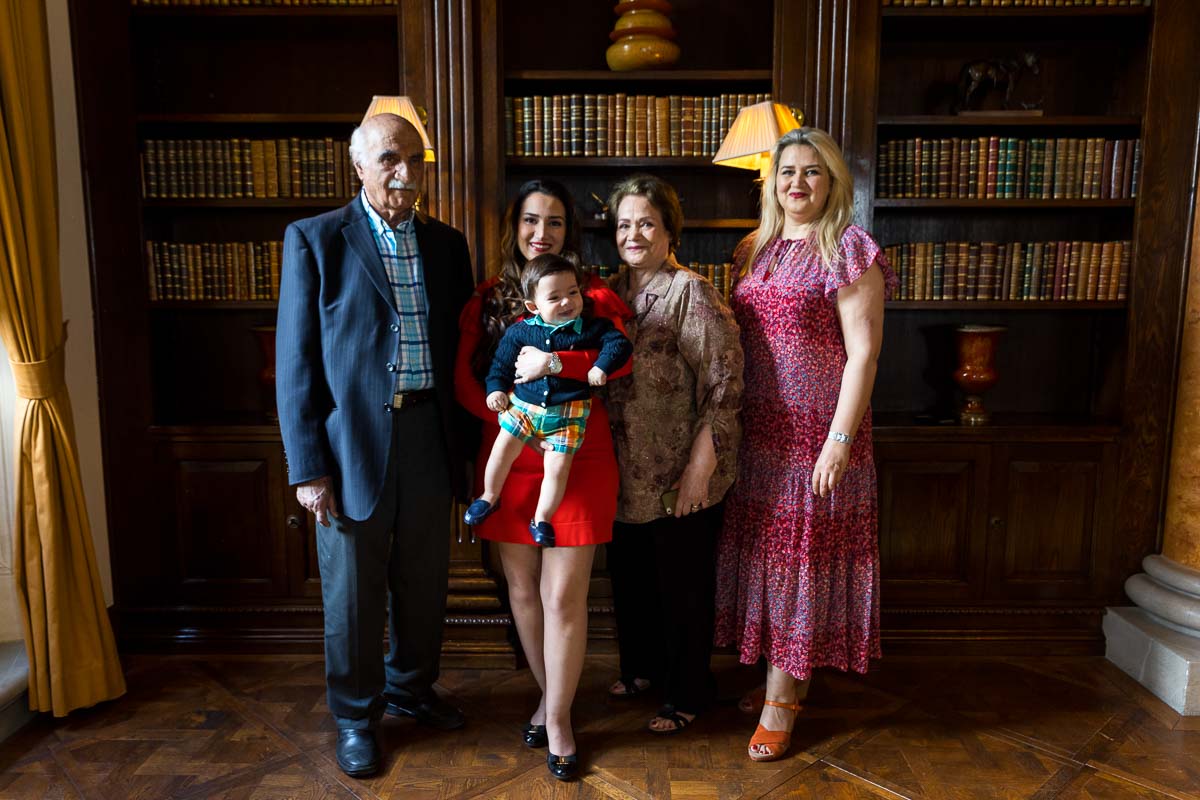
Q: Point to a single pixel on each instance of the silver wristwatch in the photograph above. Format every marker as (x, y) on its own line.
(555, 364)
(838, 436)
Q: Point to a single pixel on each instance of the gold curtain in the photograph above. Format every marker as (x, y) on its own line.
(72, 656)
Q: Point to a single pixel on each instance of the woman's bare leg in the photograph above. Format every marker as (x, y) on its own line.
(522, 569)
(566, 573)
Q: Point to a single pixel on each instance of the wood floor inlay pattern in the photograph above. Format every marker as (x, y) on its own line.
(256, 728)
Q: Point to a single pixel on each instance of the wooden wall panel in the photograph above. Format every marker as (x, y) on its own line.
(439, 71)
(1156, 294)
(826, 63)
(931, 521)
(1049, 520)
(1050, 525)
(228, 522)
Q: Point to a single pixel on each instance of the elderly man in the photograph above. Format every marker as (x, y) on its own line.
(368, 310)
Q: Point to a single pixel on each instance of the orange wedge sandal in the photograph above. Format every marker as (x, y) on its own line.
(777, 742)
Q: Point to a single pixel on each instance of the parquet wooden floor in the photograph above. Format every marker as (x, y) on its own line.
(255, 728)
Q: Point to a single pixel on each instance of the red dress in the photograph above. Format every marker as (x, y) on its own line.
(797, 574)
(589, 504)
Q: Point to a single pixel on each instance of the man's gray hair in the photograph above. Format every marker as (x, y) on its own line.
(356, 145)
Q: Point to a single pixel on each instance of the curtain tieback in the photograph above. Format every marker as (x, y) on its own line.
(38, 380)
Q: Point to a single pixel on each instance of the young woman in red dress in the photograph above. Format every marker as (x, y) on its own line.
(547, 587)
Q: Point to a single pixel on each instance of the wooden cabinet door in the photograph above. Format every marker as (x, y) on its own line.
(1050, 521)
(931, 521)
(227, 522)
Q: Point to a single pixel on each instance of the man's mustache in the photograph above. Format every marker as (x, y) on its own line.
(395, 184)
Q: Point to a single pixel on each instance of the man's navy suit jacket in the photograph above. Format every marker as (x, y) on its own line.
(337, 341)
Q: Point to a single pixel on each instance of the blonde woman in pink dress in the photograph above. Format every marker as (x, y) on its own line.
(798, 560)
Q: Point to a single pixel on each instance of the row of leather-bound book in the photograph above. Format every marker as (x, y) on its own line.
(1057, 270)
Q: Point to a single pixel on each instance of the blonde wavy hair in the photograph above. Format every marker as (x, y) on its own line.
(839, 206)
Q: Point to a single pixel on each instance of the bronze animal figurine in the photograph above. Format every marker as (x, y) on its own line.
(994, 74)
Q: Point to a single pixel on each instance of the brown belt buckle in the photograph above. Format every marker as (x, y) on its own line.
(398, 400)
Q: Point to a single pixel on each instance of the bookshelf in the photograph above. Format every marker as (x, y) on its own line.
(720, 204)
(1009, 536)
(1019, 526)
(1044, 200)
(210, 128)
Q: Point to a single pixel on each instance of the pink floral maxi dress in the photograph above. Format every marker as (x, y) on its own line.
(798, 575)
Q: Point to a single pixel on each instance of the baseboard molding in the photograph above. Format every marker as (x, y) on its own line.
(487, 641)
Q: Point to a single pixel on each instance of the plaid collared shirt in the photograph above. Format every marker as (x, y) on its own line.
(402, 263)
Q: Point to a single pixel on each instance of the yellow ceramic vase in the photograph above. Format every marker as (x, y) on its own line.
(641, 52)
(642, 36)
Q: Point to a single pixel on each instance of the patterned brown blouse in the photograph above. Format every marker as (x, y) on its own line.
(687, 370)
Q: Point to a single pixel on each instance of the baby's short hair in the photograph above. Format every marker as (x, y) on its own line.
(543, 265)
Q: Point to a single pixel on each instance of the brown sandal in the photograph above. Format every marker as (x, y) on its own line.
(631, 687)
(777, 741)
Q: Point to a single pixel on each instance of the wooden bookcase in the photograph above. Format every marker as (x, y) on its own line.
(1021, 531)
(210, 548)
(533, 59)
(1012, 535)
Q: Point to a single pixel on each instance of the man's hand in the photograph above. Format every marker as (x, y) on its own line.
(597, 377)
(532, 364)
(497, 401)
(317, 497)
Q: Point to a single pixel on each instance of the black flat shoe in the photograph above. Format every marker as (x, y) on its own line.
(565, 768)
(542, 533)
(434, 712)
(357, 752)
(479, 510)
(535, 736)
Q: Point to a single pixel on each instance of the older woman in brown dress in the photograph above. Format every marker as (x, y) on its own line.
(675, 427)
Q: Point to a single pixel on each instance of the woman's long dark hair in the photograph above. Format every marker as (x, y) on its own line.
(504, 303)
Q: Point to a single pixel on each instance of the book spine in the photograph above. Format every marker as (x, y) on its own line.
(1089, 162)
(1093, 273)
(910, 168)
(970, 281)
(675, 117)
(619, 146)
(1127, 173)
(631, 125)
(1126, 260)
(939, 271)
(589, 125)
(662, 126)
(1035, 288)
(1137, 167)
(603, 123)
(993, 167)
(509, 137)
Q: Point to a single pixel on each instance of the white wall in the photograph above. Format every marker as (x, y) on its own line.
(76, 279)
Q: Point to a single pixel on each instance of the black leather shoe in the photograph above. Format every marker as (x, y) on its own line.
(565, 768)
(357, 752)
(535, 736)
(434, 712)
(542, 533)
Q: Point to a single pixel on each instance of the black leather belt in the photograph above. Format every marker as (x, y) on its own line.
(403, 400)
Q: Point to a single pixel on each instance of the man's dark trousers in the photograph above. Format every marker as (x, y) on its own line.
(402, 550)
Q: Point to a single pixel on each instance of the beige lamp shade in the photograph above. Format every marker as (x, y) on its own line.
(402, 107)
(752, 135)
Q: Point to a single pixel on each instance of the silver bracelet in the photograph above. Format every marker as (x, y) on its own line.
(838, 436)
